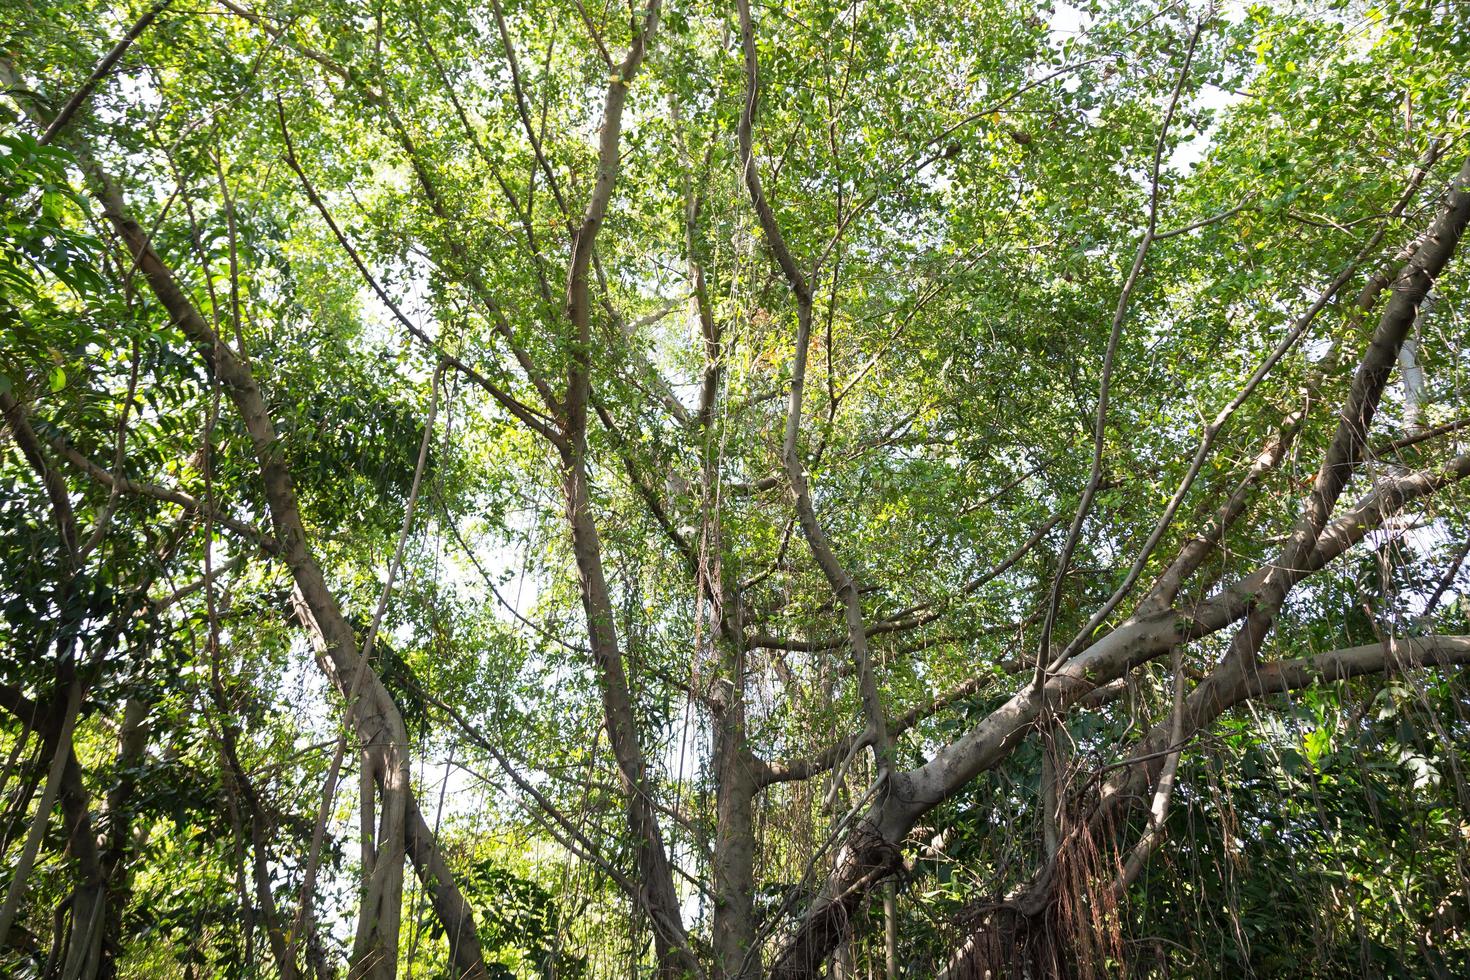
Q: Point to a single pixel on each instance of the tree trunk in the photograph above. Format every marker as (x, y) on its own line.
(371, 710)
(734, 857)
(116, 871)
(654, 872)
(89, 900)
(450, 906)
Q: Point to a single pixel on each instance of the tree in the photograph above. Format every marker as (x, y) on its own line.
(740, 474)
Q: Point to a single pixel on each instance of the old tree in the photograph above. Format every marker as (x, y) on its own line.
(529, 489)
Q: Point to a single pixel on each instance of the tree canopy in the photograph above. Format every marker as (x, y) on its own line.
(958, 488)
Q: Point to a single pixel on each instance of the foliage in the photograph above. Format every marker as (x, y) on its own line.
(1002, 210)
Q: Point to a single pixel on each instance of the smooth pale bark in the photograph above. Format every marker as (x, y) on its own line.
(872, 851)
(998, 938)
(372, 713)
(733, 933)
(655, 874)
(659, 897)
(451, 907)
(843, 586)
(1350, 439)
(1194, 552)
(374, 716)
